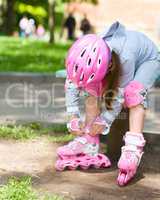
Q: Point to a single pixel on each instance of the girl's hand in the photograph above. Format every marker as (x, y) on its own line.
(77, 133)
(80, 131)
(96, 129)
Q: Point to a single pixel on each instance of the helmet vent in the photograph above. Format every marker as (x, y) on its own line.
(89, 61)
(82, 77)
(82, 54)
(99, 61)
(92, 76)
(76, 68)
(94, 49)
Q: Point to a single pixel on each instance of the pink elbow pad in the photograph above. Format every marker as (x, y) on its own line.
(132, 94)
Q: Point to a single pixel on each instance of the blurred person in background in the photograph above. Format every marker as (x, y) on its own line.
(23, 23)
(85, 25)
(70, 25)
(40, 32)
(31, 28)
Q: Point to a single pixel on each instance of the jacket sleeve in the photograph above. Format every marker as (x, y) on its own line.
(72, 95)
(127, 71)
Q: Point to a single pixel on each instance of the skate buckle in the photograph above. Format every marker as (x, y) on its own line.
(91, 149)
(81, 140)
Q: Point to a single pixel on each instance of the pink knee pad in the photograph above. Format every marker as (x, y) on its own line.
(132, 94)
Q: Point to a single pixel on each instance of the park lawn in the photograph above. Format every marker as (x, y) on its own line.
(55, 133)
(22, 189)
(28, 55)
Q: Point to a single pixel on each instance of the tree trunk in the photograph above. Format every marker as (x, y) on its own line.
(9, 17)
(1, 15)
(51, 20)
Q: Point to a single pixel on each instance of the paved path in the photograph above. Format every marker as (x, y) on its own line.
(45, 102)
(37, 157)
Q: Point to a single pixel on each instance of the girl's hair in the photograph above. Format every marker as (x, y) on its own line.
(112, 79)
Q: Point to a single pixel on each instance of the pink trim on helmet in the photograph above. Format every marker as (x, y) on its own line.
(87, 61)
(96, 89)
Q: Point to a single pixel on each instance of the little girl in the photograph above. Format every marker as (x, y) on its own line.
(117, 67)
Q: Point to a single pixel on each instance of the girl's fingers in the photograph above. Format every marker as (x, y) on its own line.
(77, 133)
(96, 129)
(82, 126)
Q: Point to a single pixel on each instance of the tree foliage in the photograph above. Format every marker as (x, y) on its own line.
(88, 1)
(43, 11)
(37, 9)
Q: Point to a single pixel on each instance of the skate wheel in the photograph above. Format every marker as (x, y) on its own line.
(121, 179)
(97, 166)
(106, 164)
(59, 167)
(72, 167)
(84, 167)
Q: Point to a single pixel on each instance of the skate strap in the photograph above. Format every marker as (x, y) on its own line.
(74, 124)
(81, 140)
(133, 149)
(135, 139)
(99, 120)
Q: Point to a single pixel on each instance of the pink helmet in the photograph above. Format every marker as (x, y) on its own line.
(88, 60)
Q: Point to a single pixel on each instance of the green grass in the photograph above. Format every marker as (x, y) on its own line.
(17, 132)
(26, 55)
(54, 133)
(21, 189)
